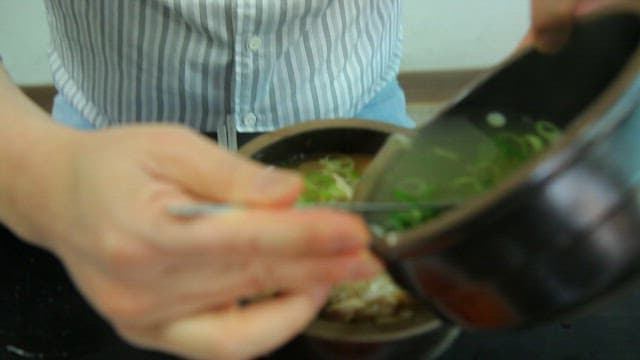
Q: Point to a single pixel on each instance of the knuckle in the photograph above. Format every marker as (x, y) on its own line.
(121, 255)
(261, 276)
(227, 348)
(122, 304)
(337, 271)
(332, 274)
(134, 337)
(178, 136)
(171, 133)
(126, 308)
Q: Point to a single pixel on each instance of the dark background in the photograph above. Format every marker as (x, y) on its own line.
(41, 313)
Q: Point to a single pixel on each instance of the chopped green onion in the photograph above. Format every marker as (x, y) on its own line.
(447, 154)
(336, 177)
(496, 119)
(536, 143)
(547, 130)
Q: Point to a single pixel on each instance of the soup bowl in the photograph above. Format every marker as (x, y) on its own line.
(424, 334)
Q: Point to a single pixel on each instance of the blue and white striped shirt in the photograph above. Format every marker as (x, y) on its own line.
(255, 64)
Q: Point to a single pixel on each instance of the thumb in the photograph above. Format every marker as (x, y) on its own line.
(207, 171)
(551, 23)
(588, 6)
(244, 333)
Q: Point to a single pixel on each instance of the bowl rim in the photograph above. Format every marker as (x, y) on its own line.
(424, 319)
(267, 139)
(421, 322)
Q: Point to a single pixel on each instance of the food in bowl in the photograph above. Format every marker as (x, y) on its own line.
(333, 178)
(333, 156)
(457, 171)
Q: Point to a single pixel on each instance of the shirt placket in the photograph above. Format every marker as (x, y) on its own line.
(245, 45)
(248, 46)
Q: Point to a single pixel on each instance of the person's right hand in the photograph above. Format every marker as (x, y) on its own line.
(553, 20)
(99, 201)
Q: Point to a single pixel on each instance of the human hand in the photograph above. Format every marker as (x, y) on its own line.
(172, 284)
(552, 20)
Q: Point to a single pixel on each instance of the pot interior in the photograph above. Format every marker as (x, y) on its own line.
(573, 90)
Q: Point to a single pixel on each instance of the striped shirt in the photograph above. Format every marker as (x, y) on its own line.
(256, 65)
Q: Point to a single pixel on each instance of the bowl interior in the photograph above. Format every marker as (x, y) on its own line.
(292, 145)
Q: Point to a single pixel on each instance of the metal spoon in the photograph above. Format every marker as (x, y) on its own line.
(193, 210)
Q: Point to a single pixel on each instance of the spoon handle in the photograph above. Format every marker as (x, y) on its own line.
(193, 210)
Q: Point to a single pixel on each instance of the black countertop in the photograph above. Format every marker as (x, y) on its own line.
(609, 331)
(43, 317)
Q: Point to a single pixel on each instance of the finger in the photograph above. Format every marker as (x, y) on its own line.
(259, 276)
(587, 6)
(116, 301)
(551, 23)
(527, 41)
(212, 173)
(194, 292)
(267, 232)
(244, 333)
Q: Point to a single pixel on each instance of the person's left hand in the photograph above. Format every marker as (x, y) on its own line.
(552, 20)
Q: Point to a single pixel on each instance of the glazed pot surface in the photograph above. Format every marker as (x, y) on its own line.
(562, 231)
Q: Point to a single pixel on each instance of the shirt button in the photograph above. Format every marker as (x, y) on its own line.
(250, 119)
(255, 43)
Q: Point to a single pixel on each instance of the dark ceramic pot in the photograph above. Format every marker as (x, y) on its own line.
(563, 232)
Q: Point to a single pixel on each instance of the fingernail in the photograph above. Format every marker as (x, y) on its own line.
(275, 182)
(551, 41)
(320, 294)
(367, 267)
(347, 239)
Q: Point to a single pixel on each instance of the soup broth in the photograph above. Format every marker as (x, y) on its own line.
(456, 160)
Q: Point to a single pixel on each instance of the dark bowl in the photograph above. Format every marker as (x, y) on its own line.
(424, 334)
(563, 232)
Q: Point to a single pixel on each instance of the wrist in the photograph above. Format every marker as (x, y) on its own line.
(33, 154)
(35, 163)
